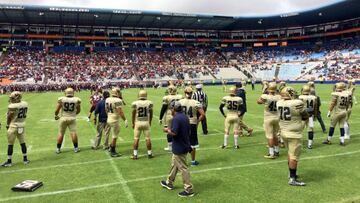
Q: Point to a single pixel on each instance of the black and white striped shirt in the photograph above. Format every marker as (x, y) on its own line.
(201, 97)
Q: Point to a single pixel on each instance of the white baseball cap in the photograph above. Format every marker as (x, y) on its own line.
(198, 86)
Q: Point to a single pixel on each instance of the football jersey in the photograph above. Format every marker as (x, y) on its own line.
(142, 108)
(190, 108)
(20, 110)
(309, 101)
(289, 112)
(341, 101)
(111, 104)
(270, 110)
(232, 103)
(170, 98)
(68, 106)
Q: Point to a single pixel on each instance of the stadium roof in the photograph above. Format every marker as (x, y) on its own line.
(16, 14)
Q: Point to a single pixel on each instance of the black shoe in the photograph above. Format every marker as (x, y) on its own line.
(236, 147)
(165, 185)
(342, 144)
(114, 154)
(186, 194)
(223, 147)
(276, 154)
(150, 156)
(6, 164)
(205, 133)
(327, 142)
(309, 146)
(26, 162)
(134, 157)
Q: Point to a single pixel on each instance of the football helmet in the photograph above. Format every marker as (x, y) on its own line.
(340, 86)
(15, 97)
(232, 91)
(288, 93)
(142, 94)
(115, 92)
(305, 90)
(188, 91)
(172, 90)
(69, 92)
(272, 87)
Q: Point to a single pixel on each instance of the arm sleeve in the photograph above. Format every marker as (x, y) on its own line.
(221, 108)
(163, 111)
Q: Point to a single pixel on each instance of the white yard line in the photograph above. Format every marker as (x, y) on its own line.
(161, 176)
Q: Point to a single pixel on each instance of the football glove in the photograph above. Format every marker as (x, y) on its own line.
(57, 117)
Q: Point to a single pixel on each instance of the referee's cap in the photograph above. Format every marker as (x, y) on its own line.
(198, 86)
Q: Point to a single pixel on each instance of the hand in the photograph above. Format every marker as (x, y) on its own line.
(329, 114)
(126, 123)
(57, 117)
(160, 122)
(166, 130)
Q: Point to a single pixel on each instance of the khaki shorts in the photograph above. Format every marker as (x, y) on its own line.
(114, 128)
(67, 123)
(16, 132)
(271, 127)
(231, 120)
(142, 126)
(338, 118)
(294, 147)
(168, 119)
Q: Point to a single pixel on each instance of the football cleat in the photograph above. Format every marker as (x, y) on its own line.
(250, 131)
(347, 137)
(114, 154)
(194, 163)
(150, 156)
(6, 164)
(168, 149)
(236, 147)
(309, 146)
(94, 148)
(165, 185)
(186, 194)
(58, 151)
(269, 156)
(26, 162)
(295, 182)
(223, 146)
(134, 157)
(327, 142)
(106, 147)
(342, 144)
(76, 150)
(276, 154)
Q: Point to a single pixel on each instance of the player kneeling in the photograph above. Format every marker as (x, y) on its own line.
(292, 113)
(191, 109)
(16, 117)
(232, 119)
(271, 119)
(70, 108)
(113, 107)
(142, 115)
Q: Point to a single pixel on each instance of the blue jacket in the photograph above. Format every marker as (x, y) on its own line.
(241, 93)
(181, 127)
(100, 109)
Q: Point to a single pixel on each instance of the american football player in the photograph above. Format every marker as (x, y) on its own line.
(338, 112)
(271, 119)
(233, 105)
(166, 111)
(191, 109)
(15, 125)
(350, 91)
(113, 107)
(94, 100)
(142, 114)
(292, 113)
(310, 102)
(69, 105)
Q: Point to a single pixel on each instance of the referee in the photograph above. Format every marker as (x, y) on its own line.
(201, 97)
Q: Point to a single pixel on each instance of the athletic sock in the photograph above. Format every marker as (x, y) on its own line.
(170, 145)
(24, 151)
(292, 173)
(112, 149)
(149, 152)
(342, 133)
(236, 138)
(169, 138)
(331, 133)
(310, 142)
(135, 152)
(310, 135)
(75, 145)
(346, 128)
(276, 149)
(271, 151)
(225, 139)
(58, 146)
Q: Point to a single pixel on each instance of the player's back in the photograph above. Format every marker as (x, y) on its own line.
(309, 100)
(290, 113)
(142, 109)
(190, 108)
(69, 106)
(233, 104)
(20, 112)
(111, 104)
(270, 105)
(341, 101)
(170, 98)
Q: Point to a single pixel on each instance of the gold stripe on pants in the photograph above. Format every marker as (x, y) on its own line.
(178, 163)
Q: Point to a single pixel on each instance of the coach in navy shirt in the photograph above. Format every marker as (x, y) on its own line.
(180, 131)
(240, 92)
(102, 126)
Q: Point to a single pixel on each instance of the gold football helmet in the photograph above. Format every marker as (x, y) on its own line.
(15, 97)
(69, 92)
(306, 90)
(172, 90)
(232, 91)
(115, 92)
(142, 94)
(288, 93)
(272, 87)
(340, 86)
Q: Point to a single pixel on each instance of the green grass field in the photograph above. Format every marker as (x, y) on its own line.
(332, 173)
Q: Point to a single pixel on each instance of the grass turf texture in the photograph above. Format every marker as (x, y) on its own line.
(331, 172)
